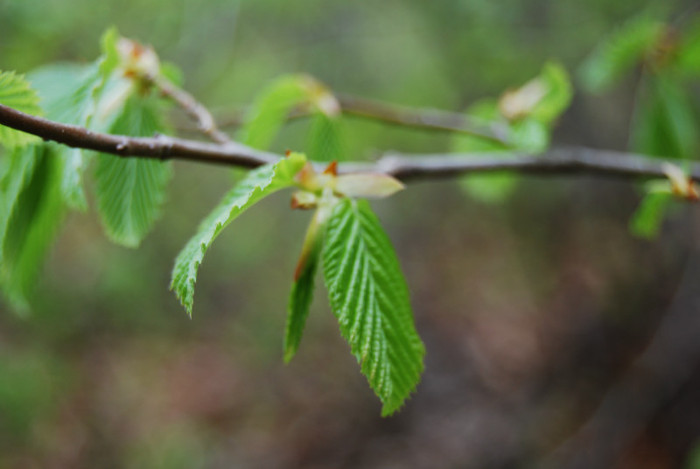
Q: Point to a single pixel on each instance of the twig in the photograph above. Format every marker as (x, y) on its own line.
(428, 119)
(576, 160)
(431, 119)
(193, 108)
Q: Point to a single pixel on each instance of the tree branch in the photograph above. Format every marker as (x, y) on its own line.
(427, 119)
(193, 108)
(431, 119)
(576, 160)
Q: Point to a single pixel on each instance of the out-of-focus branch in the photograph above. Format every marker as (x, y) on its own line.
(431, 119)
(196, 110)
(575, 160)
(428, 119)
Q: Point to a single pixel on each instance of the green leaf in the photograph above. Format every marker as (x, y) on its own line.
(326, 138)
(369, 297)
(490, 188)
(257, 184)
(110, 52)
(15, 92)
(666, 123)
(529, 135)
(542, 98)
(172, 73)
(647, 219)
(130, 191)
(69, 94)
(271, 109)
(558, 94)
(688, 61)
(485, 110)
(302, 293)
(619, 53)
(30, 216)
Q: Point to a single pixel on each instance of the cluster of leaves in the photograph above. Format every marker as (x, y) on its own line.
(41, 181)
(303, 95)
(526, 115)
(665, 121)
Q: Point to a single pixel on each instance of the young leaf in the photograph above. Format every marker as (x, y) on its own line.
(666, 123)
(16, 93)
(302, 293)
(257, 184)
(130, 191)
(489, 188)
(620, 52)
(69, 94)
(271, 109)
(326, 138)
(647, 219)
(31, 213)
(368, 295)
(558, 93)
(688, 61)
(543, 98)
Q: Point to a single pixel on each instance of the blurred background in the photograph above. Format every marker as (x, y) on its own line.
(554, 337)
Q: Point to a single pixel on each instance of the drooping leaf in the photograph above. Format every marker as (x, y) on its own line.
(369, 296)
(257, 184)
(647, 219)
(69, 94)
(131, 191)
(302, 293)
(620, 52)
(271, 109)
(489, 188)
(15, 92)
(666, 123)
(32, 211)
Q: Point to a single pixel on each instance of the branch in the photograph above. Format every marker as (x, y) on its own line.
(576, 160)
(193, 108)
(431, 119)
(428, 119)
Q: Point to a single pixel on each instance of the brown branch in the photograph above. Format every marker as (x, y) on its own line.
(159, 147)
(196, 110)
(576, 160)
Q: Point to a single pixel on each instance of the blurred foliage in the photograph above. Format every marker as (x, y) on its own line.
(108, 372)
